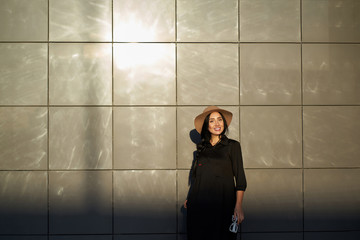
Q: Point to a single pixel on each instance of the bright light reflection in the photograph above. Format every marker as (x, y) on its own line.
(135, 55)
(134, 30)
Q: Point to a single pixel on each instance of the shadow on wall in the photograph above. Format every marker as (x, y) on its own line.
(83, 205)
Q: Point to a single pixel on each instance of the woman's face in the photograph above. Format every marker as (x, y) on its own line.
(216, 123)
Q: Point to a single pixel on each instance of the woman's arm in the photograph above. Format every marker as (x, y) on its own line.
(238, 169)
(238, 211)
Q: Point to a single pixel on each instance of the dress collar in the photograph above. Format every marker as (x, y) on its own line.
(224, 141)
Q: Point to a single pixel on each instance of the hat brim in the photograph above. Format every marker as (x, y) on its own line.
(199, 120)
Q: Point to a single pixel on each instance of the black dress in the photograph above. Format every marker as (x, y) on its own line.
(212, 194)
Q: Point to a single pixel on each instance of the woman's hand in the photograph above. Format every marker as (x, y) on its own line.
(239, 213)
(185, 204)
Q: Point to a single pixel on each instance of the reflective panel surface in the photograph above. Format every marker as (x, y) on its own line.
(80, 202)
(29, 237)
(272, 236)
(331, 74)
(144, 74)
(81, 237)
(331, 136)
(147, 237)
(80, 73)
(23, 138)
(23, 20)
(207, 20)
(273, 200)
(154, 150)
(80, 138)
(271, 136)
(269, 21)
(332, 199)
(78, 20)
(23, 73)
(331, 20)
(23, 202)
(144, 21)
(157, 209)
(353, 235)
(98, 100)
(270, 74)
(207, 74)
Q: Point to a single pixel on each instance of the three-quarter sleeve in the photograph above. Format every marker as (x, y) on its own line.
(237, 166)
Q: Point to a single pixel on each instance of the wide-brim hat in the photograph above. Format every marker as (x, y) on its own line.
(199, 120)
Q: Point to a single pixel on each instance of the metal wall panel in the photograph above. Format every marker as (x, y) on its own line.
(331, 21)
(98, 98)
(147, 196)
(80, 202)
(23, 202)
(23, 138)
(78, 20)
(25, 85)
(270, 21)
(207, 21)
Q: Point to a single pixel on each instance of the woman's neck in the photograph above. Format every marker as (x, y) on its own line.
(215, 139)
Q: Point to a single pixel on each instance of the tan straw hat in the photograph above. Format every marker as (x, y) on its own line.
(199, 120)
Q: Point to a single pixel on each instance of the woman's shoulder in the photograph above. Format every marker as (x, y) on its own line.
(232, 141)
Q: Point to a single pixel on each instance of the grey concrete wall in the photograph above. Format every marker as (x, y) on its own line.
(98, 97)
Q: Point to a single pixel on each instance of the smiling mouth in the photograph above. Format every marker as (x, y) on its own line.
(217, 129)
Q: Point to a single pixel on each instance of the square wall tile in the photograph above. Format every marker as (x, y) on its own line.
(188, 137)
(332, 199)
(270, 74)
(272, 236)
(331, 21)
(24, 237)
(271, 136)
(273, 200)
(81, 237)
(145, 138)
(144, 21)
(147, 237)
(23, 138)
(78, 20)
(207, 74)
(80, 73)
(331, 74)
(207, 21)
(23, 73)
(80, 138)
(269, 21)
(331, 136)
(145, 196)
(183, 183)
(80, 202)
(182, 237)
(144, 74)
(353, 235)
(24, 20)
(23, 202)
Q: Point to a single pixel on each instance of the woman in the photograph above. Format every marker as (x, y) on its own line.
(217, 179)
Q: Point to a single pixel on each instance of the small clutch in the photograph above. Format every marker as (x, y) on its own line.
(234, 226)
